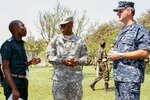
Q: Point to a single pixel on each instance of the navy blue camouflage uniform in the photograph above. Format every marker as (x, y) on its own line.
(129, 74)
(13, 50)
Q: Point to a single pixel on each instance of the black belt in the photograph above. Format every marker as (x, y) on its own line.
(19, 76)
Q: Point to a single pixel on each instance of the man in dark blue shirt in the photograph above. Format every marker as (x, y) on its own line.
(15, 64)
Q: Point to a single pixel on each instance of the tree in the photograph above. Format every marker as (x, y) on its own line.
(105, 32)
(34, 47)
(49, 22)
(145, 19)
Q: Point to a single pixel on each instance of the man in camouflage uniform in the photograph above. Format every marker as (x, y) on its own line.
(131, 46)
(67, 52)
(102, 67)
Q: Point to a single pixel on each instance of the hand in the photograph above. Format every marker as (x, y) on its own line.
(35, 61)
(113, 55)
(71, 62)
(106, 69)
(15, 94)
(74, 61)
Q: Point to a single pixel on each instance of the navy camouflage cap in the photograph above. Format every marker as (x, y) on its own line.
(124, 4)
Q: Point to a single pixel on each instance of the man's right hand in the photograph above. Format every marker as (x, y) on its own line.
(15, 94)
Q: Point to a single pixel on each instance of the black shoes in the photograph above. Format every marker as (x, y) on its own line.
(92, 87)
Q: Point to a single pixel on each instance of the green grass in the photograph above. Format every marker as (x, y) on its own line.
(40, 85)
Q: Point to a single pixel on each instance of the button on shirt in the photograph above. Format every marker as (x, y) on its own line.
(61, 47)
(13, 50)
(130, 38)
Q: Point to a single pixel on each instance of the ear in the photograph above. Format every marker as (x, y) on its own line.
(15, 29)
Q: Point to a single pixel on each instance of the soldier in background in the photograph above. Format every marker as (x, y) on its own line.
(102, 67)
(68, 53)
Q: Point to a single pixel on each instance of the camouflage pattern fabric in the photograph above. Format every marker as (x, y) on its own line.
(130, 73)
(102, 73)
(127, 91)
(65, 76)
(131, 38)
(71, 91)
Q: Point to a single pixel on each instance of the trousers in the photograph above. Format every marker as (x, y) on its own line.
(67, 90)
(22, 86)
(127, 90)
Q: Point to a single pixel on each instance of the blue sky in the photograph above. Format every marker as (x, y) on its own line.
(27, 11)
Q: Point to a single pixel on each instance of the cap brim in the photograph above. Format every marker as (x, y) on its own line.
(61, 23)
(117, 9)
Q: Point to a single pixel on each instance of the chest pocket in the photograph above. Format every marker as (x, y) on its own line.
(128, 43)
(19, 56)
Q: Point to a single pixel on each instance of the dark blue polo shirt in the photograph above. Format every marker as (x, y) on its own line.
(13, 50)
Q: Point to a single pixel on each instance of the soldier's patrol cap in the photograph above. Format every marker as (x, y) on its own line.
(67, 20)
(124, 4)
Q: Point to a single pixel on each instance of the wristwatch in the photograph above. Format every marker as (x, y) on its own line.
(121, 56)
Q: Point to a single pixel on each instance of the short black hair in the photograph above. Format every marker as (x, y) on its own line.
(13, 24)
(102, 43)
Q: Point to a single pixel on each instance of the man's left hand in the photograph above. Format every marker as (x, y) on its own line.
(35, 61)
(71, 62)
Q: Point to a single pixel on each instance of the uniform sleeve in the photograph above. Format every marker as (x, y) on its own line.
(143, 39)
(0, 60)
(6, 51)
(84, 54)
(51, 53)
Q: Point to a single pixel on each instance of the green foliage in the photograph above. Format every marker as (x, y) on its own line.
(145, 19)
(105, 32)
(42, 56)
(147, 65)
(34, 47)
(108, 31)
(92, 47)
(109, 40)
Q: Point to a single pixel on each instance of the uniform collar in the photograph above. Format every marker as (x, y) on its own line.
(17, 39)
(72, 38)
(129, 27)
